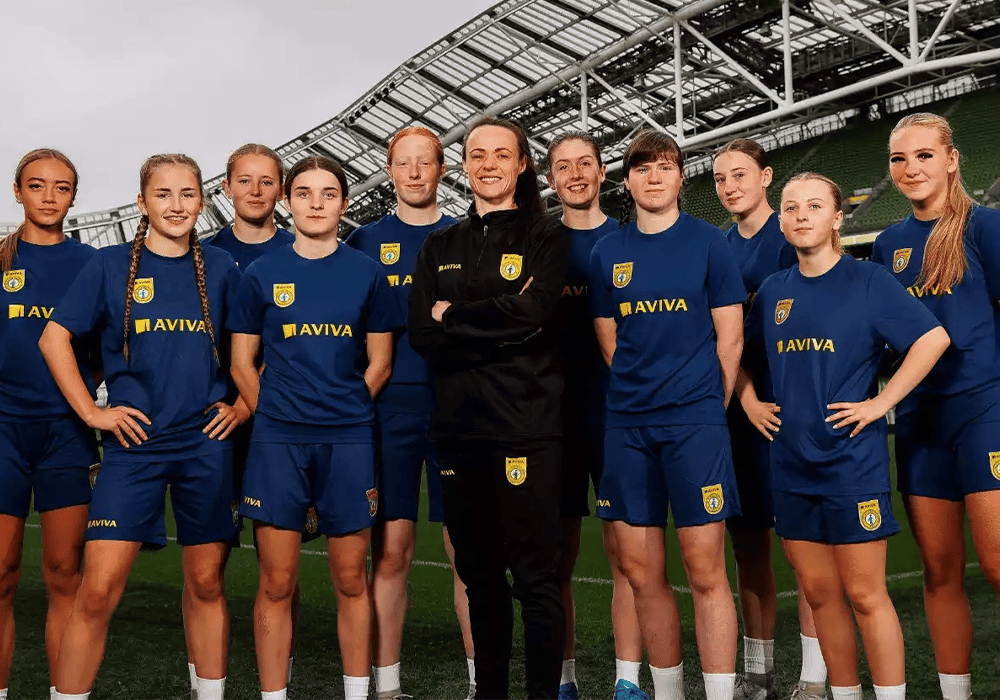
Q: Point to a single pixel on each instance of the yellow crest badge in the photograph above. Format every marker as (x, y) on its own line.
(142, 292)
(389, 253)
(312, 520)
(782, 310)
(870, 515)
(13, 280)
(284, 294)
(900, 259)
(510, 266)
(995, 464)
(517, 470)
(621, 274)
(711, 496)
(372, 501)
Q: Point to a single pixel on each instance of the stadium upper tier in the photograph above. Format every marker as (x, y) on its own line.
(703, 71)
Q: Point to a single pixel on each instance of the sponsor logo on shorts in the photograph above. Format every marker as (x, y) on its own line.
(234, 508)
(601, 503)
(255, 502)
(782, 310)
(389, 253)
(711, 497)
(510, 266)
(394, 280)
(995, 464)
(900, 259)
(372, 501)
(13, 281)
(312, 521)
(621, 274)
(93, 471)
(142, 292)
(517, 470)
(870, 515)
(284, 295)
(102, 523)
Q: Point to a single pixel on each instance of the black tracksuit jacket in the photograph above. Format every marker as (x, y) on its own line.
(495, 358)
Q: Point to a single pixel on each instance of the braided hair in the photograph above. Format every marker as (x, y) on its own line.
(197, 254)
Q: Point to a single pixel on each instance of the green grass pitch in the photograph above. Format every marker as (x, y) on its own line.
(146, 657)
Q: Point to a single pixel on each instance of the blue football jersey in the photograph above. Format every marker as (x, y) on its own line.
(246, 253)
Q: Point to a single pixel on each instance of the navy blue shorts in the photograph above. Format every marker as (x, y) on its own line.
(834, 519)
(752, 464)
(937, 459)
(48, 458)
(129, 497)
(283, 480)
(688, 467)
(406, 451)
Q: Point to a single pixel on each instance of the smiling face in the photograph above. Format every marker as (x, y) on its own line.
(317, 202)
(492, 161)
(576, 174)
(254, 187)
(415, 171)
(810, 217)
(46, 190)
(920, 165)
(172, 200)
(740, 182)
(655, 185)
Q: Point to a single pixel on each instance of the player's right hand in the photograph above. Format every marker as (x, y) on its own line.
(123, 421)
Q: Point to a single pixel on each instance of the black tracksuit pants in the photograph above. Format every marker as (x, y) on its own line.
(501, 504)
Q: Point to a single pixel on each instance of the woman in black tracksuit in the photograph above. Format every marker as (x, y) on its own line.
(484, 291)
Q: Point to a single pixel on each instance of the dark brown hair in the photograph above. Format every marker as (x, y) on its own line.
(526, 195)
(747, 147)
(317, 163)
(648, 146)
(570, 136)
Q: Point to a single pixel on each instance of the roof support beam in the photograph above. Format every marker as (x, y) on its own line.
(786, 46)
(940, 28)
(868, 33)
(626, 100)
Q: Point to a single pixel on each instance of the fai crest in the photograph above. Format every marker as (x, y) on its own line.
(389, 253)
(510, 266)
(995, 464)
(13, 280)
(142, 292)
(372, 501)
(782, 310)
(711, 496)
(517, 470)
(621, 274)
(284, 294)
(94, 470)
(900, 259)
(312, 520)
(870, 515)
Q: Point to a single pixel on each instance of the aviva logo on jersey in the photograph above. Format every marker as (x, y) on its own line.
(22, 311)
(572, 290)
(806, 344)
(13, 281)
(918, 291)
(170, 325)
(389, 253)
(652, 306)
(336, 330)
(394, 280)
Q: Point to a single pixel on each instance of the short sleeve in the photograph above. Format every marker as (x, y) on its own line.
(83, 307)
(987, 238)
(725, 282)
(247, 315)
(599, 291)
(897, 317)
(384, 314)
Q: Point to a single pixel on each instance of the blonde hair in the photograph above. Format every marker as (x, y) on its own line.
(8, 246)
(945, 261)
(838, 200)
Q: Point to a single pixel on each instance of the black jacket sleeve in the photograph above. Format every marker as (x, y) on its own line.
(513, 318)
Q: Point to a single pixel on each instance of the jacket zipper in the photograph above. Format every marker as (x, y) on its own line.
(486, 230)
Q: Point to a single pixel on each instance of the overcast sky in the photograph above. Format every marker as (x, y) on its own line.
(110, 83)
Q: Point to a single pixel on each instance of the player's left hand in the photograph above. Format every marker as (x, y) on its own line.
(862, 413)
(437, 311)
(226, 419)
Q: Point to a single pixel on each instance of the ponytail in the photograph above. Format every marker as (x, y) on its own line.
(8, 248)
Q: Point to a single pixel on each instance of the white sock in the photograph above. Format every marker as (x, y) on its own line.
(193, 676)
(890, 692)
(627, 671)
(719, 686)
(471, 663)
(813, 666)
(211, 689)
(955, 687)
(387, 678)
(3, 693)
(668, 683)
(289, 681)
(67, 696)
(758, 655)
(275, 695)
(568, 672)
(844, 693)
(356, 688)
(52, 692)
